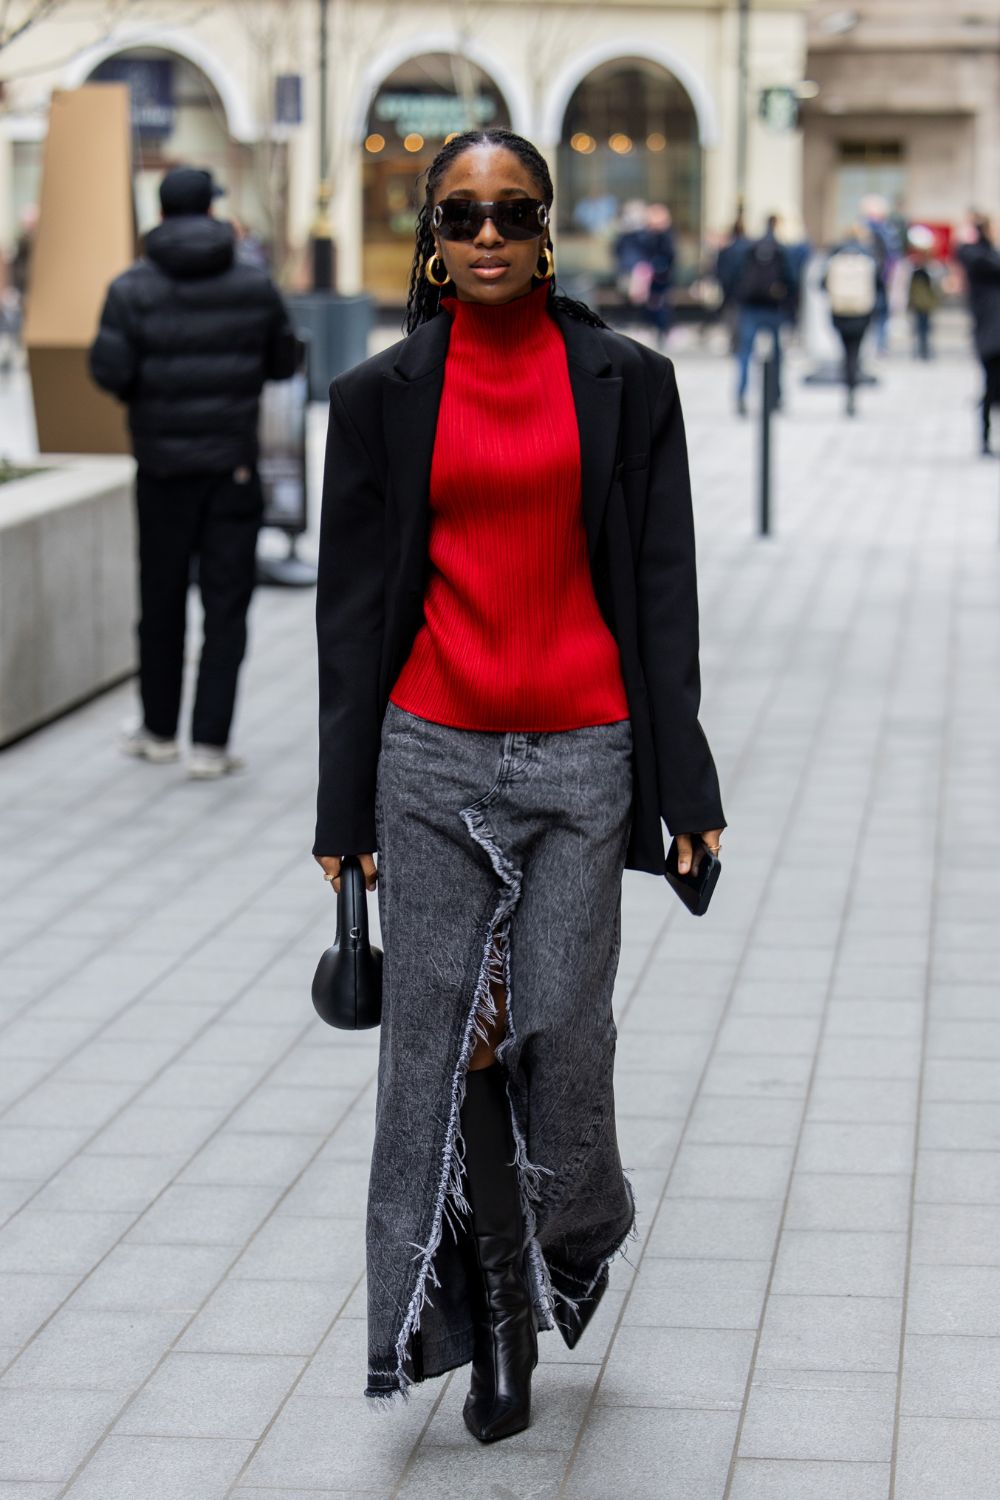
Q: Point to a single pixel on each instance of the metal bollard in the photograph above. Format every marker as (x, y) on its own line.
(770, 392)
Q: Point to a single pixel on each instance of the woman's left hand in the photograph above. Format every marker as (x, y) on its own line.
(685, 847)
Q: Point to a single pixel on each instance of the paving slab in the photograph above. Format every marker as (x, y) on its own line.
(807, 1080)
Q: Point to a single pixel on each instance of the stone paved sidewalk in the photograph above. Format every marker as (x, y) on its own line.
(808, 1081)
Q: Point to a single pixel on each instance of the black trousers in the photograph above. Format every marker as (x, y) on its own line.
(214, 518)
(852, 357)
(991, 393)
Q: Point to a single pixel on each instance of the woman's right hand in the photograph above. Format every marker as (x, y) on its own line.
(330, 865)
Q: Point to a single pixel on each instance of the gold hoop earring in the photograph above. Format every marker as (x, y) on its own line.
(429, 265)
(550, 265)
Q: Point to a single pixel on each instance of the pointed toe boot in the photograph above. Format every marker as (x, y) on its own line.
(572, 1312)
(505, 1348)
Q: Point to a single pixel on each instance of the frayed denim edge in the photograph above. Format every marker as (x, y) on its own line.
(620, 1251)
(451, 1203)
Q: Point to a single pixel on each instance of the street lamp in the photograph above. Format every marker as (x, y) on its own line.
(322, 230)
(743, 106)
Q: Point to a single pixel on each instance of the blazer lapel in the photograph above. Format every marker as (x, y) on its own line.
(412, 399)
(597, 397)
(412, 396)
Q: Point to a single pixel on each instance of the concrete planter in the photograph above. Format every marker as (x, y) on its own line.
(67, 587)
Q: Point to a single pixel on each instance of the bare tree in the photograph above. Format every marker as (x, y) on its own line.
(350, 47)
(281, 34)
(273, 30)
(18, 16)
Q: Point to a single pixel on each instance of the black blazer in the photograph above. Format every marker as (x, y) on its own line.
(373, 570)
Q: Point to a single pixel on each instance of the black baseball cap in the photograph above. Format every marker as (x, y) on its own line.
(188, 190)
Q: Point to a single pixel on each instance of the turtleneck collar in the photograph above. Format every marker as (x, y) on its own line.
(507, 322)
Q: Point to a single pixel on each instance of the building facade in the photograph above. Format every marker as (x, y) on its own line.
(908, 106)
(628, 100)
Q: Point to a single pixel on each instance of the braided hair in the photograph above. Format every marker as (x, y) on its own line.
(423, 300)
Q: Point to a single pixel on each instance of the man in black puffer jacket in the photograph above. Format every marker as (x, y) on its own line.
(188, 337)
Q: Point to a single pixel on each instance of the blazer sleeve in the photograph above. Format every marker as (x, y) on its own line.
(349, 627)
(690, 800)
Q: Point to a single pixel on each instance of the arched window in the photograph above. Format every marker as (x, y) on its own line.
(629, 138)
(179, 118)
(418, 106)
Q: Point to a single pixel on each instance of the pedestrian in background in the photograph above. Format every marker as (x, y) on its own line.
(798, 249)
(898, 222)
(15, 276)
(628, 244)
(10, 323)
(24, 249)
(644, 262)
(728, 269)
(657, 255)
(923, 295)
(765, 291)
(884, 243)
(980, 260)
(250, 248)
(509, 687)
(851, 282)
(188, 336)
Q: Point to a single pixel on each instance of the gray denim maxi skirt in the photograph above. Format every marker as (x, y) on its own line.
(500, 859)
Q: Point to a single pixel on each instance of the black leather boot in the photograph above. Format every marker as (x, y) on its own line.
(506, 1345)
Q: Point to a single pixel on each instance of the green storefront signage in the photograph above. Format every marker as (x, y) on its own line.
(433, 115)
(779, 108)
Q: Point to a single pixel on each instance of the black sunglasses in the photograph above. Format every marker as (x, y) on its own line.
(513, 218)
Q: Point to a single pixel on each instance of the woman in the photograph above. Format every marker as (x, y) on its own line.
(506, 609)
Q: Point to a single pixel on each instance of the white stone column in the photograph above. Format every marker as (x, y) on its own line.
(986, 166)
(8, 226)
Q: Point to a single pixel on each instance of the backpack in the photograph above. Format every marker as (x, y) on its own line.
(923, 295)
(851, 284)
(765, 280)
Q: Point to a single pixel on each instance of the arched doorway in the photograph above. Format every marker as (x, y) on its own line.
(178, 116)
(630, 136)
(416, 108)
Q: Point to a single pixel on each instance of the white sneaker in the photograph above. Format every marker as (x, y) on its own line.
(209, 762)
(142, 744)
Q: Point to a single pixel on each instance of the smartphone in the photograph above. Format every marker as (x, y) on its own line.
(696, 887)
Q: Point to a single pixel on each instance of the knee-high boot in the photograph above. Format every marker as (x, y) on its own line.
(506, 1344)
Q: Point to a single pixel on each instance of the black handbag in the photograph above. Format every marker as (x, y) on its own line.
(696, 887)
(347, 986)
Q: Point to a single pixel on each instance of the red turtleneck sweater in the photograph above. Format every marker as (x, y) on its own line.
(512, 635)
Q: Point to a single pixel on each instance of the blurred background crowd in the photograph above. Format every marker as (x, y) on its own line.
(731, 176)
(673, 130)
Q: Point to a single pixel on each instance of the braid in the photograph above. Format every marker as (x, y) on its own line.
(423, 300)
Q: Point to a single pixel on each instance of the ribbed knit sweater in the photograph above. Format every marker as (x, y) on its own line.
(512, 637)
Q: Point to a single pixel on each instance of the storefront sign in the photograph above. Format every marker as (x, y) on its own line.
(288, 99)
(779, 108)
(151, 90)
(433, 115)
